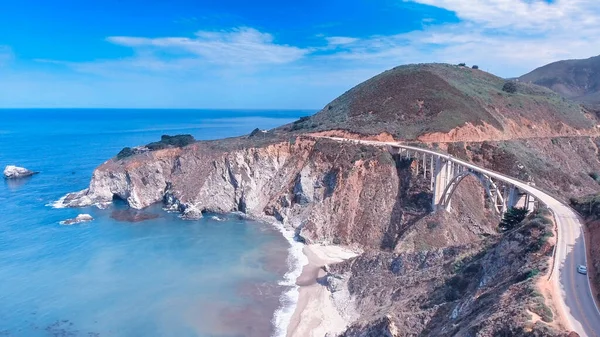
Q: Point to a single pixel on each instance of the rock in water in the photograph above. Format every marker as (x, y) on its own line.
(79, 219)
(15, 172)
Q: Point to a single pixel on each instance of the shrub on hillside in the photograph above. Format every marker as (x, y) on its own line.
(171, 141)
(510, 87)
(300, 123)
(595, 176)
(475, 67)
(126, 152)
(588, 206)
(513, 217)
(462, 64)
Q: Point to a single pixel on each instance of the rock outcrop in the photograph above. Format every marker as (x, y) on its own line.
(329, 191)
(78, 219)
(15, 172)
(479, 289)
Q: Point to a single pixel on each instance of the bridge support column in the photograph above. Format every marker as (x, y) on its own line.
(517, 198)
(513, 197)
(432, 174)
(441, 175)
(530, 202)
(451, 173)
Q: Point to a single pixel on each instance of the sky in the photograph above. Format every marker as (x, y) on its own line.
(230, 54)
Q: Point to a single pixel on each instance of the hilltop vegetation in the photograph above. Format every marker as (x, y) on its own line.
(165, 142)
(412, 100)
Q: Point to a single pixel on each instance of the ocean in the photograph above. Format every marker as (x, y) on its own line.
(222, 275)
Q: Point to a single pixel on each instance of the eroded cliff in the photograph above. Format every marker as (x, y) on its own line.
(421, 273)
(330, 192)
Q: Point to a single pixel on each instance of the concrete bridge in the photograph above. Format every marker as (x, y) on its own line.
(446, 173)
(576, 302)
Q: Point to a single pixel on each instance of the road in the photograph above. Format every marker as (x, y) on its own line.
(578, 306)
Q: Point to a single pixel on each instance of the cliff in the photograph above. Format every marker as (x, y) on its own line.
(421, 273)
(485, 288)
(329, 191)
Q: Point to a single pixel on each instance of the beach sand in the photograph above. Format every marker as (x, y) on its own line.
(315, 314)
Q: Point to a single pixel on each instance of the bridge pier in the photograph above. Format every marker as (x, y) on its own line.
(443, 171)
(517, 198)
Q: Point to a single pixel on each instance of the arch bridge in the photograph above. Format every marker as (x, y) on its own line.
(446, 172)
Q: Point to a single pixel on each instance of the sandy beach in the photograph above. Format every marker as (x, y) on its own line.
(315, 315)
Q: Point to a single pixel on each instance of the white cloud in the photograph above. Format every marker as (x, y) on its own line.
(244, 67)
(506, 37)
(239, 46)
(533, 15)
(340, 40)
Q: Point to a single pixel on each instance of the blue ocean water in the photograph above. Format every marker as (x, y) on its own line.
(159, 277)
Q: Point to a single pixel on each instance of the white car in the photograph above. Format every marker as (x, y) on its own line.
(581, 269)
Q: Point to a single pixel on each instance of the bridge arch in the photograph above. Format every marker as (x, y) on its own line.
(491, 189)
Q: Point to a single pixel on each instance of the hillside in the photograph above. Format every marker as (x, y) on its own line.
(419, 273)
(575, 79)
(423, 101)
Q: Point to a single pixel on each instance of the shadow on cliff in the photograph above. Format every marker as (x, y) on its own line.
(411, 205)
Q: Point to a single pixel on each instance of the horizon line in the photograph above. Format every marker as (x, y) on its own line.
(221, 109)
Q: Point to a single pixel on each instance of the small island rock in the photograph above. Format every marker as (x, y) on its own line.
(79, 219)
(15, 172)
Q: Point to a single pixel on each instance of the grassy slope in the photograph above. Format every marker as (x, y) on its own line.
(577, 79)
(412, 100)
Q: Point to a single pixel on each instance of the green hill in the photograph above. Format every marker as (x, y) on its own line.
(412, 100)
(575, 79)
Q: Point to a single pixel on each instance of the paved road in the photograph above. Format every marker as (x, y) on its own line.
(580, 309)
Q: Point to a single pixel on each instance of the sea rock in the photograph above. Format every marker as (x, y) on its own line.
(191, 212)
(79, 219)
(15, 172)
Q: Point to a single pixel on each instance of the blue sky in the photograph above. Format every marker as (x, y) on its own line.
(265, 54)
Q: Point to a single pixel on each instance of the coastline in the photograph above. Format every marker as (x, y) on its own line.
(315, 314)
(306, 309)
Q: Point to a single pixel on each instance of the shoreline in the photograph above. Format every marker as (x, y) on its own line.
(306, 308)
(315, 314)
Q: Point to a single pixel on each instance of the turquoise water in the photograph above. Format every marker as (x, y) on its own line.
(159, 277)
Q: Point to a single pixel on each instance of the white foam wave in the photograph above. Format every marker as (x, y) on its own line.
(58, 203)
(289, 299)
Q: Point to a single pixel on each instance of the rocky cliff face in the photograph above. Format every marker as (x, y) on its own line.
(329, 191)
(485, 288)
(421, 273)
(442, 274)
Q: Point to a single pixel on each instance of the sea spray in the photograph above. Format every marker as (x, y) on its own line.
(60, 203)
(287, 304)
